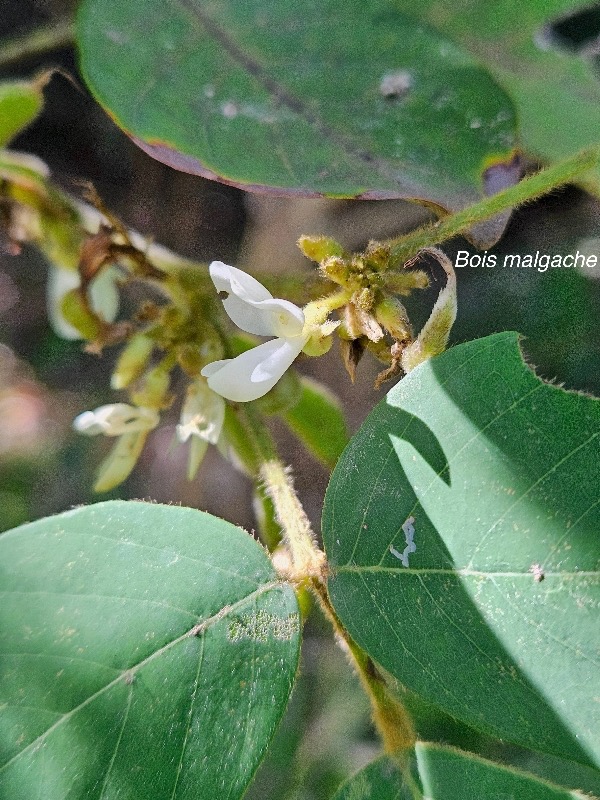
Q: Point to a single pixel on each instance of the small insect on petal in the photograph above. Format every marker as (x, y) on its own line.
(251, 306)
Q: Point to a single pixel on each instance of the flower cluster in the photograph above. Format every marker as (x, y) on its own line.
(371, 315)
(244, 378)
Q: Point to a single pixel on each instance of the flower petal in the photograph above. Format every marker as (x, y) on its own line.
(104, 297)
(60, 282)
(202, 414)
(233, 280)
(116, 419)
(252, 307)
(253, 373)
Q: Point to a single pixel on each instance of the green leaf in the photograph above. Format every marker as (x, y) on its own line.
(493, 616)
(302, 98)
(20, 104)
(556, 92)
(379, 780)
(445, 773)
(147, 651)
(318, 421)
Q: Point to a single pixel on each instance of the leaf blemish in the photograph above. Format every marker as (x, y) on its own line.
(261, 626)
(537, 572)
(408, 529)
(229, 110)
(395, 85)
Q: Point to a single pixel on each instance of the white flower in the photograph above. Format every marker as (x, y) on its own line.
(104, 297)
(202, 419)
(116, 419)
(131, 424)
(202, 414)
(253, 309)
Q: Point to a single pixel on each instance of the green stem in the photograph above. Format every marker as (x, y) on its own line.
(266, 517)
(40, 41)
(389, 715)
(405, 247)
(307, 559)
(278, 486)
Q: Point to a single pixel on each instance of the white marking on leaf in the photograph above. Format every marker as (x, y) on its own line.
(408, 529)
(261, 626)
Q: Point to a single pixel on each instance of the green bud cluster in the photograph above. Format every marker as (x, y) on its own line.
(371, 314)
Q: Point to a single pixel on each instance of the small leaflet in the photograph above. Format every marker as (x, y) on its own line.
(408, 529)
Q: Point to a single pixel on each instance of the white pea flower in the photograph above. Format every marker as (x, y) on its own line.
(254, 309)
(202, 418)
(131, 425)
(116, 419)
(104, 297)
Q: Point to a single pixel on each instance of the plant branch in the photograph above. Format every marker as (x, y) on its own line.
(307, 559)
(309, 562)
(405, 247)
(40, 41)
(389, 715)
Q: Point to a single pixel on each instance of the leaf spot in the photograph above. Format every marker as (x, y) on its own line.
(229, 110)
(537, 572)
(261, 626)
(395, 85)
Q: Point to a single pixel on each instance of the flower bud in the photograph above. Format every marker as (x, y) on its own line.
(364, 299)
(406, 281)
(120, 461)
(336, 270)
(319, 248)
(391, 314)
(377, 255)
(154, 391)
(132, 361)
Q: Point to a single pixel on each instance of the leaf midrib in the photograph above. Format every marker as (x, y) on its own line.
(461, 573)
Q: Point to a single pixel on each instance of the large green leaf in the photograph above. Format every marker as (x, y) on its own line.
(493, 616)
(311, 98)
(557, 92)
(146, 651)
(444, 773)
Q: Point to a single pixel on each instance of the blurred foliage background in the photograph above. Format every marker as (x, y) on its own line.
(45, 381)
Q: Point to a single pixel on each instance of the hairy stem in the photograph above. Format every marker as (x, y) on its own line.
(389, 715)
(406, 246)
(38, 42)
(307, 559)
(308, 562)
